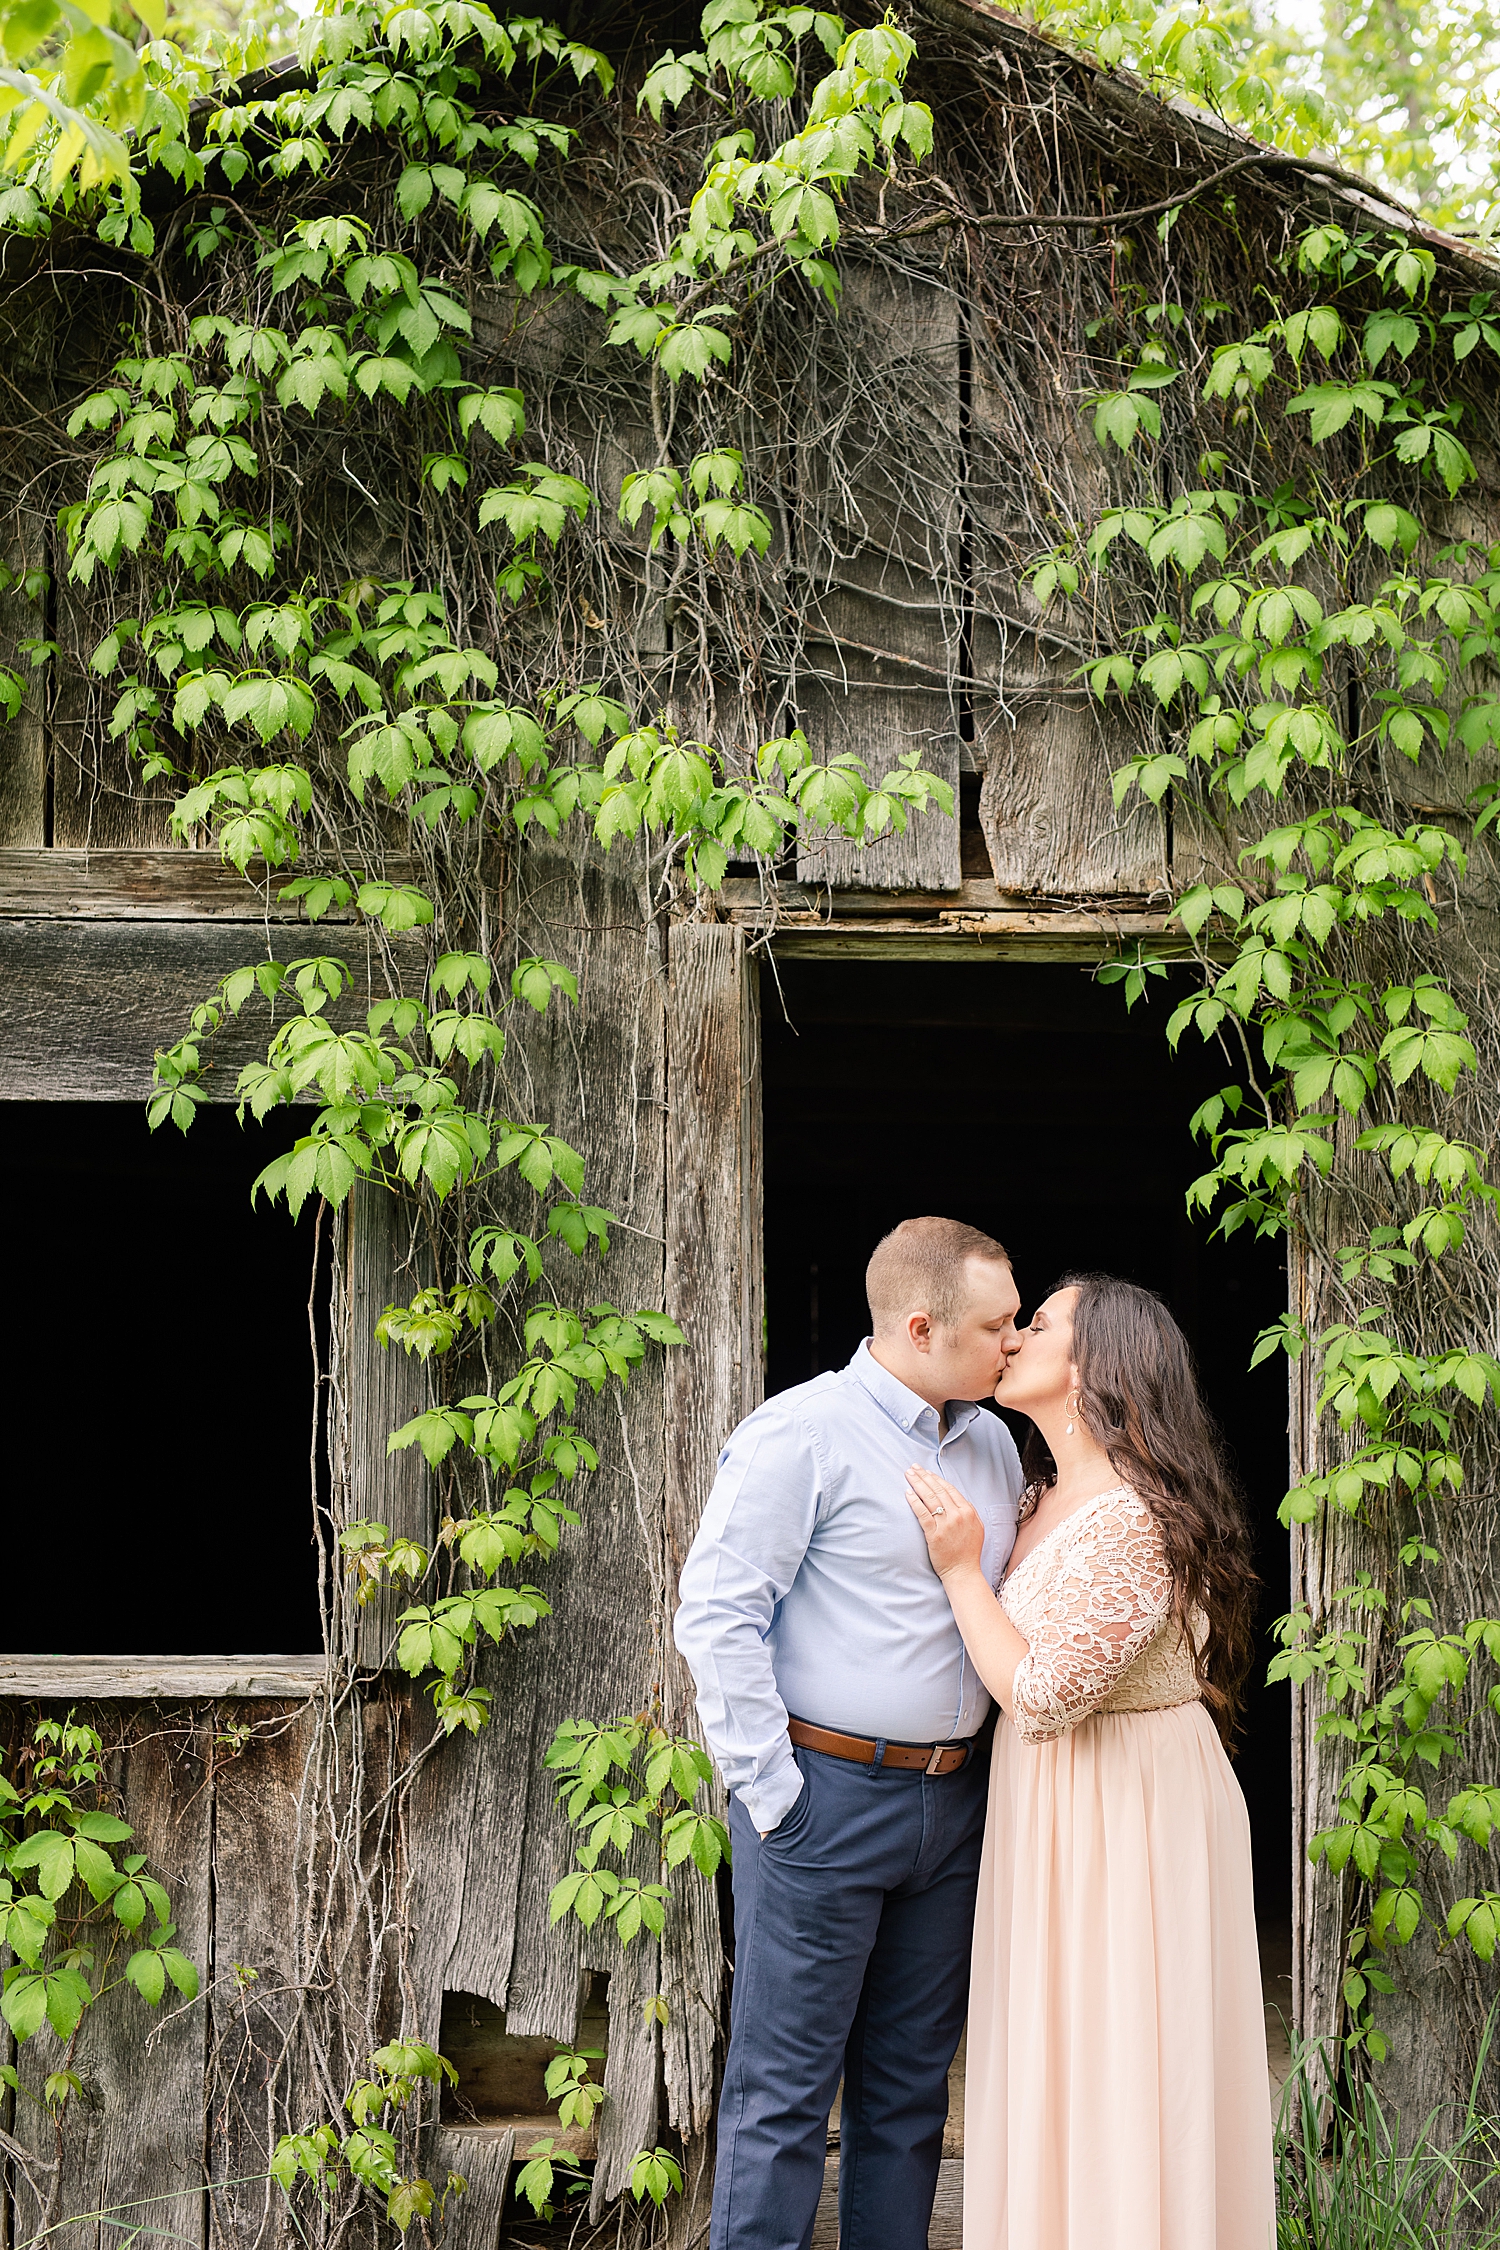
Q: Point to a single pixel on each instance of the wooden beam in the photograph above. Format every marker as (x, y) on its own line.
(981, 923)
(746, 900)
(386, 1386)
(1085, 942)
(158, 886)
(158, 1679)
(85, 1004)
(714, 1257)
(714, 1283)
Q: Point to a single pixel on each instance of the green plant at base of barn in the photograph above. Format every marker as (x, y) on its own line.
(367, 2153)
(657, 2173)
(1290, 636)
(549, 2168)
(568, 2083)
(549, 2174)
(69, 1905)
(1357, 2178)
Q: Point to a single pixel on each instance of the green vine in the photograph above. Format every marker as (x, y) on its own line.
(1297, 632)
(301, 716)
(79, 1918)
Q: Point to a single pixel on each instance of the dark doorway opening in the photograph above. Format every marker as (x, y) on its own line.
(1026, 1100)
(157, 1350)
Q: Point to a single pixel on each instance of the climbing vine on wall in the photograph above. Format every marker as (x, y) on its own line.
(1305, 641)
(370, 625)
(307, 710)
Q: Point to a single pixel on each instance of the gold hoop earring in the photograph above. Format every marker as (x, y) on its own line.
(1070, 1408)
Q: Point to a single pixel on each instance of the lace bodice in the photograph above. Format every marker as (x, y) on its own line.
(1094, 1600)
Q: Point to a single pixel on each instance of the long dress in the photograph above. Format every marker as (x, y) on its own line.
(1117, 2093)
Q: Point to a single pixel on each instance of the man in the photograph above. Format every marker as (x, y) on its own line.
(835, 1693)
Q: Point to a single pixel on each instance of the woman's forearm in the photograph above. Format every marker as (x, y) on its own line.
(988, 1634)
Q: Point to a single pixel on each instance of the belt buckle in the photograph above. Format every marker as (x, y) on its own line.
(934, 1765)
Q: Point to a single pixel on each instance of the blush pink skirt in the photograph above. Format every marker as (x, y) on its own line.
(1117, 2094)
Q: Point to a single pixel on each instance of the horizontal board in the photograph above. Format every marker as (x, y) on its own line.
(161, 1678)
(84, 1006)
(172, 886)
(1047, 806)
(916, 943)
(745, 899)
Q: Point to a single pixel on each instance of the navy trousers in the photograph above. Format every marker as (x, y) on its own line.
(852, 1929)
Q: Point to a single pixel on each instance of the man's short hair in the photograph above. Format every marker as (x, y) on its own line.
(921, 1266)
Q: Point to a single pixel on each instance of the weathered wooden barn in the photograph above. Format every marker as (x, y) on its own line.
(761, 1082)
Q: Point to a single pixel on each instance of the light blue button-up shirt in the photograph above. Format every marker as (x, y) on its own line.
(808, 1588)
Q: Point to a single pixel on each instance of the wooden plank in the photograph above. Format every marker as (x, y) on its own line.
(133, 1679)
(23, 739)
(168, 886)
(603, 1065)
(1047, 809)
(946, 2231)
(266, 1806)
(865, 943)
(384, 1387)
(310, 1936)
(714, 1219)
(482, 2155)
(140, 2157)
(84, 1006)
(715, 1267)
(487, 1843)
(883, 565)
(745, 899)
(1044, 748)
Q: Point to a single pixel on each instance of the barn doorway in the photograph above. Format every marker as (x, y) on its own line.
(1026, 1100)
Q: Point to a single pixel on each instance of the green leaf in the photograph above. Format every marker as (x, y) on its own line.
(51, 1854)
(181, 1971)
(1331, 406)
(24, 2005)
(147, 1973)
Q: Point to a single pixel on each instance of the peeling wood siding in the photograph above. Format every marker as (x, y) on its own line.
(884, 576)
(714, 1292)
(386, 1387)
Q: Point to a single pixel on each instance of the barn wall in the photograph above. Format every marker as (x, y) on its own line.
(359, 1868)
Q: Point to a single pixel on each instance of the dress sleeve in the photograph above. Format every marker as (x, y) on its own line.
(1107, 1602)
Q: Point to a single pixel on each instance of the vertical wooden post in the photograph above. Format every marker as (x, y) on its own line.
(885, 628)
(714, 1194)
(384, 1388)
(714, 1283)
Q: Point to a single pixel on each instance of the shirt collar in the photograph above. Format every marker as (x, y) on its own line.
(903, 1405)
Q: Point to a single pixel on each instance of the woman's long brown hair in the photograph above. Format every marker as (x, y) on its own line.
(1139, 1397)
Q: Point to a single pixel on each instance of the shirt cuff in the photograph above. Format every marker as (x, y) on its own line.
(772, 1795)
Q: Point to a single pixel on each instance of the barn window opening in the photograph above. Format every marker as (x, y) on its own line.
(502, 2074)
(1023, 1098)
(160, 1362)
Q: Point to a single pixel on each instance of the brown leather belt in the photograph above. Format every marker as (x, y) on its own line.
(920, 1757)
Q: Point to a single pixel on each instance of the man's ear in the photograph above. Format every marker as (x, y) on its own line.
(919, 1331)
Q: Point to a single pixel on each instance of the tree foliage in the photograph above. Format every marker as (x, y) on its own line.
(1404, 93)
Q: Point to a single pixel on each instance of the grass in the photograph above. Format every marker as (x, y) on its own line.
(1344, 2180)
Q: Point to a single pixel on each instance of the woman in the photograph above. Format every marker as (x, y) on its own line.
(1117, 2093)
